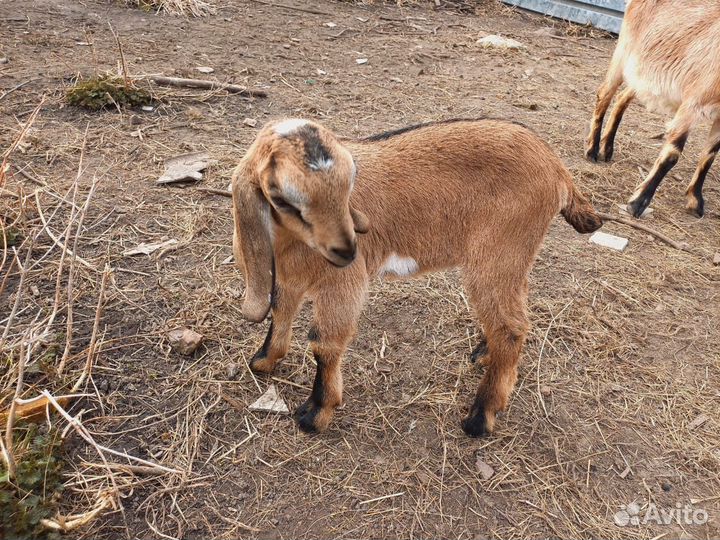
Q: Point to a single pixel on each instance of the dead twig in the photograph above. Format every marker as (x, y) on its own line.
(93, 338)
(682, 246)
(18, 295)
(293, 8)
(71, 273)
(8, 446)
(215, 191)
(206, 85)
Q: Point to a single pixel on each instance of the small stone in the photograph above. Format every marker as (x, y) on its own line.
(270, 401)
(499, 42)
(34, 290)
(3, 60)
(611, 241)
(286, 45)
(330, 24)
(716, 259)
(148, 108)
(204, 69)
(485, 470)
(666, 486)
(184, 340)
(545, 390)
(232, 370)
(251, 122)
(361, 61)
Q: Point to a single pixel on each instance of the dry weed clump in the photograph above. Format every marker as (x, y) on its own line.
(196, 8)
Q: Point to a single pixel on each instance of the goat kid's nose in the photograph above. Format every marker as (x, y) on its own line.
(347, 253)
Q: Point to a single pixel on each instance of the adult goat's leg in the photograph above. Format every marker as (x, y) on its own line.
(675, 139)
(605, 93)
(695, 202)
(607, 143)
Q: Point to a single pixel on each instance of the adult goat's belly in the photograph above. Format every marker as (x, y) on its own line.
(659, 91)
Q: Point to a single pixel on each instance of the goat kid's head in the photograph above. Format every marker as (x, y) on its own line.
(298, 177)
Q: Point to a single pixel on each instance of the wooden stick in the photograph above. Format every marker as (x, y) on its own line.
(294, 8)
(206, 85)
(215, 191)
(682, 246)
(8, 447)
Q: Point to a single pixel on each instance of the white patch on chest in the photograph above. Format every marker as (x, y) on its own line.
(399, 266)
(286, 127)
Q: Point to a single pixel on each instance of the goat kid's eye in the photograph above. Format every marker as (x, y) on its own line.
(284, 206)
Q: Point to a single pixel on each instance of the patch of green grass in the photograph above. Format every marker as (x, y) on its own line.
(34, 493)
(107, 91)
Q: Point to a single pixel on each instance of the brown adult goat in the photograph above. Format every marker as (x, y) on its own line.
(668, 56)
(474, 194)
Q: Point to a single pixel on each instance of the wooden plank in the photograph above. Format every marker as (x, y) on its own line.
(603, 14)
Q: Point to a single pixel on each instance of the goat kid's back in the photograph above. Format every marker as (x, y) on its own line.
(471, 183)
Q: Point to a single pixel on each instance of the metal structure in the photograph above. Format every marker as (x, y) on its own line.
(604, 14)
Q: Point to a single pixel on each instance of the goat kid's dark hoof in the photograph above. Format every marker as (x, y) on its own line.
(261, 364)
(474, 426)
(305, 417)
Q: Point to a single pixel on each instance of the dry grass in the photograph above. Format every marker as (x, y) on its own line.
(621, 360)
(195, 8)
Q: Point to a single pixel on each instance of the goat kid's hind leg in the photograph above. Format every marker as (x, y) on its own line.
(605, 93)
(285, 304)
(335, 321)
(479, 353)
(607, 144)
(502, 313)
(675, 140)
(695, 202)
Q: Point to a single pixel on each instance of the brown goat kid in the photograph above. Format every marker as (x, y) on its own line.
(474, 194)
(668, 56)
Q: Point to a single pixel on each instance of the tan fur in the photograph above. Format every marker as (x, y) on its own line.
(478, 195)
(668, 56)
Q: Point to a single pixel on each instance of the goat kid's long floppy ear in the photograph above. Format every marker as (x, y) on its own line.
(252, 245)
(361, 223)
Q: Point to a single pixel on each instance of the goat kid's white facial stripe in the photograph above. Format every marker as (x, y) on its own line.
(321, 165)
(399, 266)
(286, 127)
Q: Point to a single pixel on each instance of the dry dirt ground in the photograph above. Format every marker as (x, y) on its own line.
(622, 359)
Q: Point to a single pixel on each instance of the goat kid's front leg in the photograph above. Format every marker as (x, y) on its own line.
(695, 202)
(334, 325)
(285, 304)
